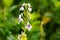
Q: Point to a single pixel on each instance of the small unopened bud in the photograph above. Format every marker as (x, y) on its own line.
(29, 5)
(29, 9)
(21, 8)
(23, 4)
(19, 37)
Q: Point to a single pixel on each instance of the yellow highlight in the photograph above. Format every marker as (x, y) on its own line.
(23, 37)
(57, 4)
(7, 2)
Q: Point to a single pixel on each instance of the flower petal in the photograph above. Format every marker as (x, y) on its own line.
(21, 8)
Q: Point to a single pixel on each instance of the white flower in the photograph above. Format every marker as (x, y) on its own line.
(21, 14)
(19, 37)
(23, 34)
(19, 19)
(23, 4)
(28, 26)
(21, 8)
(29, 9)
(29, 5)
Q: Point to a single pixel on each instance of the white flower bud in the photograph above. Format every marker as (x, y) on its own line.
(21, 19)
(23, 4)
(19, 37)
(21, 8)
(21, 14)
(29, 9)
(23, 34)
(28, 23)
(29, 5)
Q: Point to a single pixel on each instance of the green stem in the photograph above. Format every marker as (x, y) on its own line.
(42, 33)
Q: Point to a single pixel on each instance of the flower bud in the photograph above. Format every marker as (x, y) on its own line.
(21, 8)
(29, 5)
(23, 4)
(29, 9)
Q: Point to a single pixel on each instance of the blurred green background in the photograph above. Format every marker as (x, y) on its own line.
(9, 11)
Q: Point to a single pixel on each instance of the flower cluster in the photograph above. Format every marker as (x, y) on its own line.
(20, 19)
(23, 5)
(28, 26)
